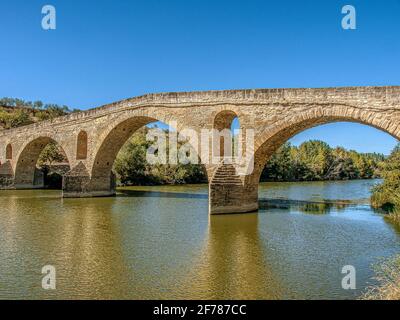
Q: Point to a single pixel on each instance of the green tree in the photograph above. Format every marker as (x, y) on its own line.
(51, 154)
(316, 160)
(316, 155)
(132, 168)
(387, 194)
(280, 165)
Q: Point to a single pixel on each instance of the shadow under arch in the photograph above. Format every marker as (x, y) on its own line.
(26, 174)
(102, 177)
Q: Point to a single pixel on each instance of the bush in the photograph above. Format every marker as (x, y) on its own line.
(15, 119)
(17, 112)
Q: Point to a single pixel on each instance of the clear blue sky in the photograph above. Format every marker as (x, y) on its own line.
(104, 51)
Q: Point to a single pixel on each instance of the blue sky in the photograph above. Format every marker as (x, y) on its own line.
(104, 51)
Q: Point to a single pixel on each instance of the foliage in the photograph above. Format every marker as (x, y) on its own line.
(388, 277)
(15, 119)
(18, 112)
(312, 160)
(132, 168)
(387, 194)
(51, 153)
(316, 160)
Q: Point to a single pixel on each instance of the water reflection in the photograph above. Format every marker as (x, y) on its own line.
(34, 233)
(235, 257)
(311, 207)
(124, 192)
(160, 243)
(231, 264)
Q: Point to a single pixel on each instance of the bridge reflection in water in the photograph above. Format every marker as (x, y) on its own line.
(158, 242)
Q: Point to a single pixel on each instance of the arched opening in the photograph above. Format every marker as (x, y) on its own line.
(283, 156)
(121, 159)
(9, 152)
(81, 146)
(225, 141)
(41, 164)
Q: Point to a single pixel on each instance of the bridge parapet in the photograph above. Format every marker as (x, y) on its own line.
(384, 97)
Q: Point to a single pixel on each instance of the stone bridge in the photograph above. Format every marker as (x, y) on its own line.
(92, 139)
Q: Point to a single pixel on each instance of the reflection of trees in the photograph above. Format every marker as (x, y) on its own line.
(322, 207)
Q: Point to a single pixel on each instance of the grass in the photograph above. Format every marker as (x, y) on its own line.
(388, 277)
(394, 217)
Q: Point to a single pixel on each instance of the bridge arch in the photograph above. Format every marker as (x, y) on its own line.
(240, 193)
(102, 182)
(274, 136)
(271, 138)
(26, 161)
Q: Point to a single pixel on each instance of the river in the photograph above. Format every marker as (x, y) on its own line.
(159, 243)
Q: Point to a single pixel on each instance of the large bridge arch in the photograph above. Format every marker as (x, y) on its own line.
(99, 178)
(102, 180)
(27, 158)
(271, 138)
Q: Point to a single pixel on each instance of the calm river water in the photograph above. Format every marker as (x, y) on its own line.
(160, 243)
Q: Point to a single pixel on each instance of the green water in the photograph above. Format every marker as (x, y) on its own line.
(160, 243)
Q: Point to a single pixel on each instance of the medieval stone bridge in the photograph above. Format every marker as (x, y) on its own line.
(92, 139)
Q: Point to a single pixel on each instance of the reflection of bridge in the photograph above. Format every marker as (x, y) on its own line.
(92, 139)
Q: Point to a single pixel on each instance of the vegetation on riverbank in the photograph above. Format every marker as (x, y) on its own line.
(388, 277)
(387, 194)
(315, 160)
(387, 197)
(311, 161)
(17, 112)
(132, 168)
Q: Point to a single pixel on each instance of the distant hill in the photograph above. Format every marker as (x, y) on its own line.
(16, 112)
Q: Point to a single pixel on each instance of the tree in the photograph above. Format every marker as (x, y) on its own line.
(132, 168)
(51, 153)
(316, 160)
(27, 112)
(38, 105)
(387, 194)
(279, 166)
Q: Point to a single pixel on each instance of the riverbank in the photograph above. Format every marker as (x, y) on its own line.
(388, 277)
